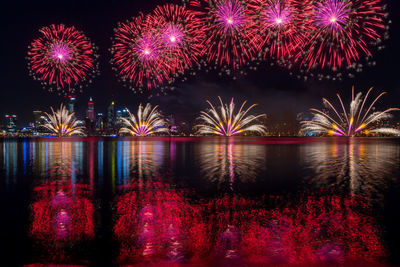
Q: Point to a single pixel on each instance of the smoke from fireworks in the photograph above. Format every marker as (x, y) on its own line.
(147, 122)
(62, 123)
(359, 119)
(344, 33)
(62, 58)
(228, 123)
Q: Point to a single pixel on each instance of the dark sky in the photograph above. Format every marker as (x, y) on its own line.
(271, 87)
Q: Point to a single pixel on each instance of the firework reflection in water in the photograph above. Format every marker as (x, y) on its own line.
(225, 160)
(357, 166)
(158, 225)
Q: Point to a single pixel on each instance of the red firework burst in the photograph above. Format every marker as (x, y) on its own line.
(62, 58)
(139, 55)
(343, 33)
(281, 25)
(228, 39)
(181, 34)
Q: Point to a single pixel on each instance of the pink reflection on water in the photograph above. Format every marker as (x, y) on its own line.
(237, 231)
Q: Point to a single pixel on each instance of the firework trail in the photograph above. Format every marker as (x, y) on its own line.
(62, 58)
(148, 121)
(360, 119)
(226, 122)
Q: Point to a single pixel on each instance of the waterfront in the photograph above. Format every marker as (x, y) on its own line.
(226, 201)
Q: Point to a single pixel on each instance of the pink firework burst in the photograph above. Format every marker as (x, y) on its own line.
(138, 54)
(148, 48)
(228, 40)
(332, 15)
(281, 25)
(181, 33)
(62, 58)
(230, 16)
(60, 52)
(344, 32)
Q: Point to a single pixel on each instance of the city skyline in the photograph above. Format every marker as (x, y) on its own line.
(273, 88)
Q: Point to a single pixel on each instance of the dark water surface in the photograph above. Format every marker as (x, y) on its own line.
(200, 201)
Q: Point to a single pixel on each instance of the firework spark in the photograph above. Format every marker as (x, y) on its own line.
(282, 26)
(226, 122)
(62, 123)
(62, 58)
(360, 119)
(344, 32)
(148, 121)
(181, 33)
(138, 54)
(228, 40)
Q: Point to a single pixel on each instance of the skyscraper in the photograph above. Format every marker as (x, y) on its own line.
(71, 104)
(100, 123)
(90, 110)
(39, 121)
(111, 118)
(11, 123)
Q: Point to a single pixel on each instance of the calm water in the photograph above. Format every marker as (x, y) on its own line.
(200, 202)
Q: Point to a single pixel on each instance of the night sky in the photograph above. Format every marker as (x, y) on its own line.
(272, 88)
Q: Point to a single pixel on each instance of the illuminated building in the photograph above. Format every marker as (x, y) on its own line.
(122, 113)
(90, 110)
(111, 117)
(11, 123)
(100, 123)
(38, 120)
(71, 104)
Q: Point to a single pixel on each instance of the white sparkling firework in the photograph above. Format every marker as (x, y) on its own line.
(360, 119)
(224, 121)
(147, 122)
(62, 123)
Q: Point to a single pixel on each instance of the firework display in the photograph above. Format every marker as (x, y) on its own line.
(321, 38)
(63, 123)
(360, 119)
(147, 122)
(225, 121)
(344, 33)
(62, 58)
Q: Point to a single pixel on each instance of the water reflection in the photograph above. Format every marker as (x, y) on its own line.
(155, 222)
(62, 219)
(62, 210)
(136, 158)
(359, 167)
(225, 160)
(162, 215)
(61, 160)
